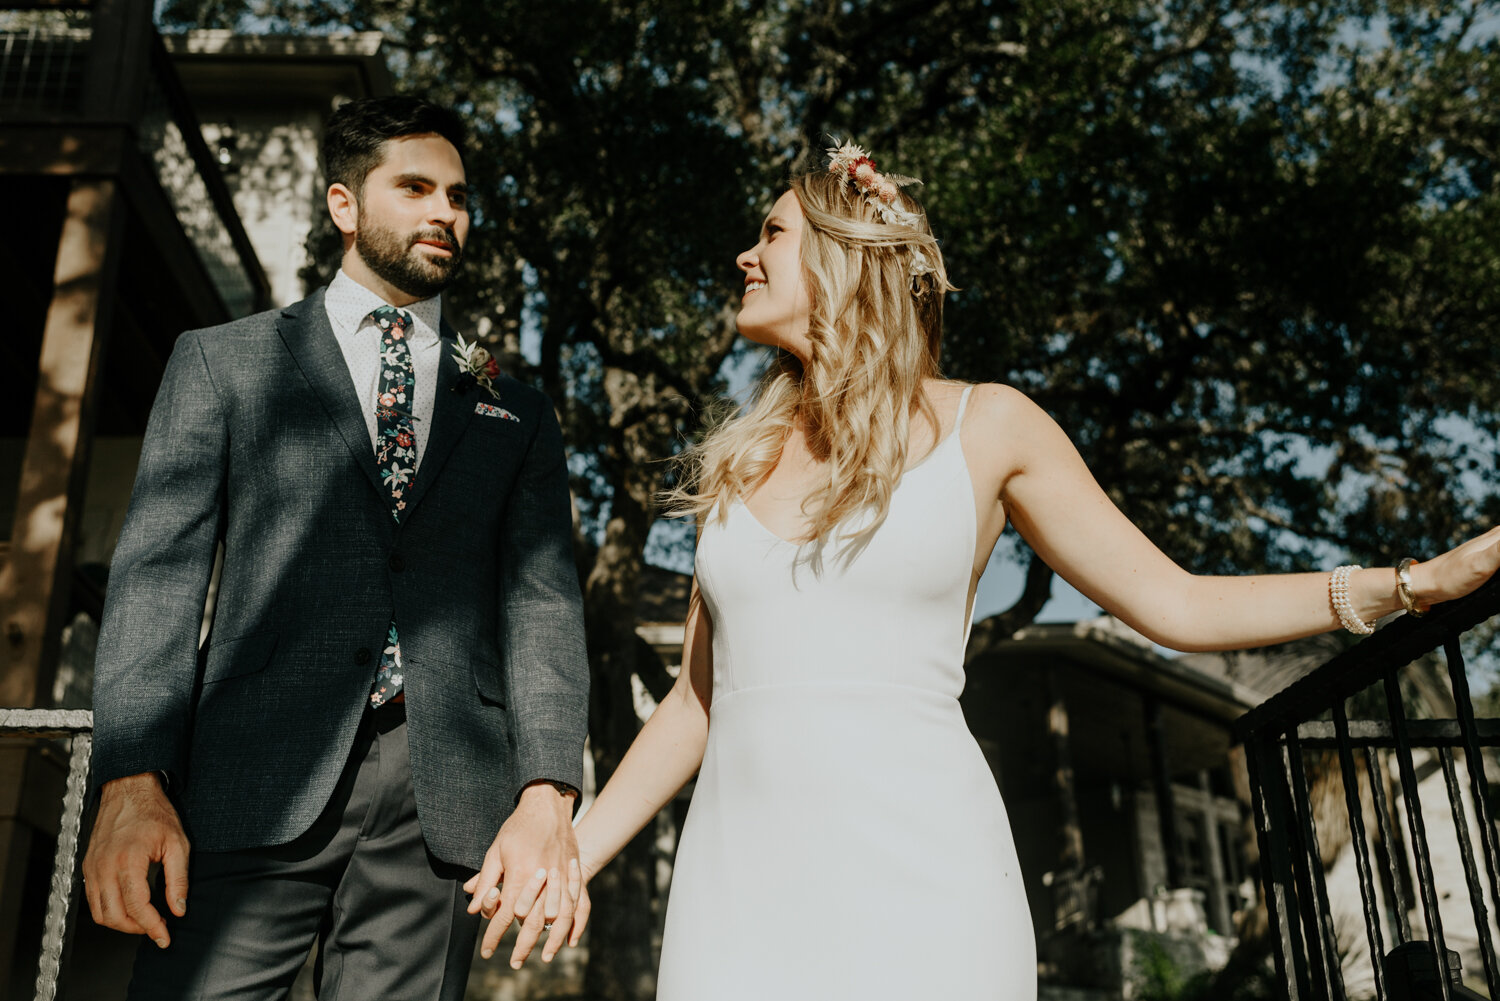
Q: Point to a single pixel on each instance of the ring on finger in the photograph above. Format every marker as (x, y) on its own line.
(546, 926)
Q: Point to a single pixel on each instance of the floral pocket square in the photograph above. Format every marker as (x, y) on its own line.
(490, 410)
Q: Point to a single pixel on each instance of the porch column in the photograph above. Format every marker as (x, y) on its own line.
(1161, 779)
(36, 579)
(1069, 892)
(1218, 903)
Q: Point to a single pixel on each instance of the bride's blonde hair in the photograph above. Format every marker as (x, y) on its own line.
(876, 289)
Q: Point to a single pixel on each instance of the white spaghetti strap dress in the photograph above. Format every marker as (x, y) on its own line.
(846, 839)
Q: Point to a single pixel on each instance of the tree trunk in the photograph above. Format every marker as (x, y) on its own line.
(622, 954)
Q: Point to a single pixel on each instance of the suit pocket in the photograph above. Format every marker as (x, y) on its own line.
(489, 683)
(238, 657)
(495, 424)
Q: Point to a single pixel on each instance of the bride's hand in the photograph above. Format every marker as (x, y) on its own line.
(577, 891)
(1458, 571)
(540, 912)
(581, 912)
(588, 869)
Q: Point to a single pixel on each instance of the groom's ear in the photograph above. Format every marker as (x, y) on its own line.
(343, 207)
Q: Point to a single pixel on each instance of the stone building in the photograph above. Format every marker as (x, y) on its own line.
(1127, 798)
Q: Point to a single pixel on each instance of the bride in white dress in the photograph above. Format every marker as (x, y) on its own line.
(846, 839)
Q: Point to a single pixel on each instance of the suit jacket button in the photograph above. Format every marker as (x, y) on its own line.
(396, 563)
(362, 655)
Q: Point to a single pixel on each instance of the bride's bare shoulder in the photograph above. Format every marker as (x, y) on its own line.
(995, 406)
(950, 391)
(995, 410)
(1005, 432)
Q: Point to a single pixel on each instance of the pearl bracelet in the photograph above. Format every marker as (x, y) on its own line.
(1338, 596)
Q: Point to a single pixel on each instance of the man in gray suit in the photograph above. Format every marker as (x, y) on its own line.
(396, 669)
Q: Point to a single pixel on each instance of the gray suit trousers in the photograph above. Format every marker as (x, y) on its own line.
(389, 919)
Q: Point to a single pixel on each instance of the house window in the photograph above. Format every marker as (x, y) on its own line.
(1192, 844)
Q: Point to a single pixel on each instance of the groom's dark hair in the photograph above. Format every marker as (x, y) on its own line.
(355, 136)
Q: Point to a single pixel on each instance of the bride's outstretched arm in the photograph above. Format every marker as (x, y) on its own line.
(1058, 508)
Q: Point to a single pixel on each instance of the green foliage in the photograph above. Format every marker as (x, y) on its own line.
(1158, 977)
(1245, 253)
(1227, 284)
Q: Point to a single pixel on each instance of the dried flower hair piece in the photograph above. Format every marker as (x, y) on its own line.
(879, 189)
(854, 163)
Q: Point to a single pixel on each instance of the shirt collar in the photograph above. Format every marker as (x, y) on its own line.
(349, 303)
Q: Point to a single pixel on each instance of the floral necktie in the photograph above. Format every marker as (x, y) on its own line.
(396, 455)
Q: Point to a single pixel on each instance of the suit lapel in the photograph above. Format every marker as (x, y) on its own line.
(305, 330)
(451, 413)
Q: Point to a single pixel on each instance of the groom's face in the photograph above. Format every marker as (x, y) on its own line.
(413, 215)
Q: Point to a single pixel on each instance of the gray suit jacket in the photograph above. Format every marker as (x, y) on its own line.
(257, 440)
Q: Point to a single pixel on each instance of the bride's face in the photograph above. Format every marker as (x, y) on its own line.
(776, 305)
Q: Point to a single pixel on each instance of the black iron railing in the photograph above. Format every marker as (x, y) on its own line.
(1406, 706)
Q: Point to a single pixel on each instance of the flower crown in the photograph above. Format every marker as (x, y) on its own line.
(879, 189)
(853, 163)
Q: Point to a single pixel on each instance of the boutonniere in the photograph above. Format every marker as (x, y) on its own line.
(476, 366)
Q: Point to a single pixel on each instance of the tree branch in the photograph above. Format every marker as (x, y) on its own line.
(650, 668)
(1000, 627)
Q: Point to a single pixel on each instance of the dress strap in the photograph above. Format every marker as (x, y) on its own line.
(963, 401)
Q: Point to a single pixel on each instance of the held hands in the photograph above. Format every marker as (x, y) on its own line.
(136, 826)
(537, 850)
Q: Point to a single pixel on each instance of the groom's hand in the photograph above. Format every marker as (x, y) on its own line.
(136, 826)
(534, 851)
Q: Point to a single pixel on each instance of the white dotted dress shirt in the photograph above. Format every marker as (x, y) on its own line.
(349, 305)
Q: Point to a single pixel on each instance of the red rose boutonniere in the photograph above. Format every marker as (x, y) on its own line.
(476, 366)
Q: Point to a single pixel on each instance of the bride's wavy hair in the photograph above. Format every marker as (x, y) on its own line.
(876, 290)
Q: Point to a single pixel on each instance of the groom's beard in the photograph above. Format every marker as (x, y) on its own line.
(395, 258)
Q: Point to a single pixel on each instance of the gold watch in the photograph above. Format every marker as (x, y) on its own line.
(1403, 588)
